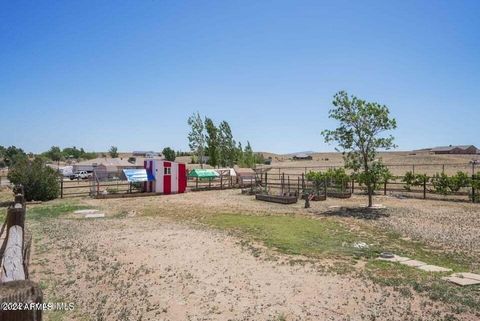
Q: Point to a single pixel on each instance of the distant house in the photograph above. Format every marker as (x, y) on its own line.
(458, 149)
(302, 157)
(146, 154)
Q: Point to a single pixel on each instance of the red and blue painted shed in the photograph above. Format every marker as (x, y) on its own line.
(168, 177)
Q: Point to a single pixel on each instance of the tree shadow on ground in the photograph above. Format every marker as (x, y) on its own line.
(357, 212)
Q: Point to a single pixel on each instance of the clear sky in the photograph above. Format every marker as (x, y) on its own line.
(129, 73)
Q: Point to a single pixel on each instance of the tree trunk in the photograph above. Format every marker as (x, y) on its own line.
(370, 196)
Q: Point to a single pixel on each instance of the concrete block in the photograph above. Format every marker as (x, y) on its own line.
(433, 268)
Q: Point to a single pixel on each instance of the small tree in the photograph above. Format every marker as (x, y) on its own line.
(169, 154)
(212, 142)
(227, 149)
(12, 155)
(113, 151)
(54, 153)
(196, 137)
(248, 156)
(360, 125)
(39, 181)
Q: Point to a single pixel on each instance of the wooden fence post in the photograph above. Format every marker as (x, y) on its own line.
(21, 291)
(385, 187)
(353, 185)
(298, 185)
(61, 187)
(221, 181)
(266, 181)
(424, 187)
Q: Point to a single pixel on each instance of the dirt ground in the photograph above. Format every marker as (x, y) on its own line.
(143, 263)
(451, 225)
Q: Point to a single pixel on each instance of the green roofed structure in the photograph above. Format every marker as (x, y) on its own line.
(203, 173)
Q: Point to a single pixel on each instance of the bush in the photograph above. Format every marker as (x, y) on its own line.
(458, 181)
(39, 181)
(337, 178)
(441, 183)
(377, 175)
(410, 179)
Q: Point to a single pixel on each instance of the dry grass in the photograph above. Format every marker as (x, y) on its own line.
(159, 259)
(403, 162)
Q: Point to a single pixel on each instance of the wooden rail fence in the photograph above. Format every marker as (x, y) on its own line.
(16, 289)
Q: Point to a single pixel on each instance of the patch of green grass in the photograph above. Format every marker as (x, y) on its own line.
(293, 235)
(51, 211)
(317, 238)
(430, 284)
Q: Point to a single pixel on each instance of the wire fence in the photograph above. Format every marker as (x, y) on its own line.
(287, 183)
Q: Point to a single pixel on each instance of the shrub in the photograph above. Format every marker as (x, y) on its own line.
(318, 179)
(39, 181)
(410, 179)
(441, 183)
(337, 178)
(377, 175)
(459, 180)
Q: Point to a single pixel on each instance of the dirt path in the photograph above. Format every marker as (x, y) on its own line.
(153, 269)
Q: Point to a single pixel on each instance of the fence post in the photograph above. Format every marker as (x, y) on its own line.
(325, 187)
(473, 188)
(425, 187)
(61, 187)
(413, 169)
(385, 187)
(353, 185)
(283, 182)
(196, 184)
(21, 291)
(298, 186)
(221, 181)
(266, 181)
(288, 180)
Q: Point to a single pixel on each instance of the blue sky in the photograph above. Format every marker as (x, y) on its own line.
(129, 73)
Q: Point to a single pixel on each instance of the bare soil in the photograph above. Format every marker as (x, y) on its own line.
(143, 263)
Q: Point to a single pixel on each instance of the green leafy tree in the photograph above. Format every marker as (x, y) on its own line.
(72, 152)
(239, 156)
(113, 151)
(196, 136)
(2, 154)
(227, 150)
(249, 157)
(54, 153)
(169, 154)
(39, 181)
(12, 155)
(212, 141)
(358, 135)
(259, 158)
